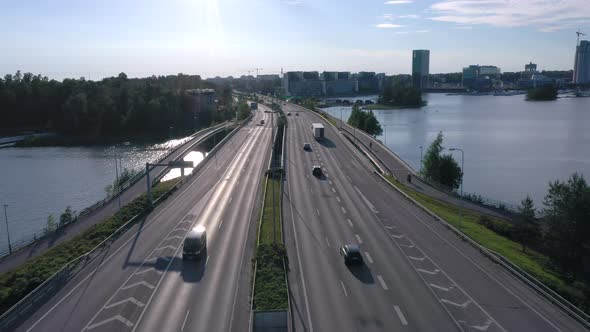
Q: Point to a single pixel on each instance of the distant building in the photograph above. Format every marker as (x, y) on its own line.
(480, 78)
(314, 84)
(530, 67)
(537, 80)
(369, 82)
(203, 100)
(268, 77)
(420, 68)
(582, 63)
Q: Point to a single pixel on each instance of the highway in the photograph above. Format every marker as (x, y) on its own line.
(417, 275)
(141, 282)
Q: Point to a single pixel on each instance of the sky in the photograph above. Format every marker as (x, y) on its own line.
(96, 39)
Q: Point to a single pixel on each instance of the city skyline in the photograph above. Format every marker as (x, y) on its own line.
(223, 38)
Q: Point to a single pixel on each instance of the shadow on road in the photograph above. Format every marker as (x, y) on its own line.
(362, 273)
(327, 143)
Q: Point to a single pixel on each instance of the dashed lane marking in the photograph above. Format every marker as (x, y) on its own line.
(343, 288)
(129, 299)
(436, 271)
(349, 222)
(358, 238)
(382, 282)
(369, 258)
(400, 315)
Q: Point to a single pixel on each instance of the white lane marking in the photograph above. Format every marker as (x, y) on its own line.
(446, 289)
(436, 271)
(333, 190)
(206, 260)
(407, 246)
(338, 199)
(184, 322)
(330, 182)
(174, 237)
(349, 222)
(389, 227)
(317, 211)
(328, 242)
(483, 327)
(420, 259)
(129, 299)
(343, 209)
(167, 247)
(220, 223)
(400, 315)
(358, 238)
(343, 288)
(369, 258)
(382, 282)
(349, 179)
(398, 236)
(143, 283)
(230, 199)
(371, 206)
(144, 271)
(462, 305)
(108, 320)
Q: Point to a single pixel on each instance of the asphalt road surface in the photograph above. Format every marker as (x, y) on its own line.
(142, 284)
(416, 276)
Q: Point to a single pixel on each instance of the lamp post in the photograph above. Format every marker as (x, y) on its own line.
(7, 232)
(421, 149)
(462, 174)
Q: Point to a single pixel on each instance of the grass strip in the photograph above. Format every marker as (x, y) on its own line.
(16, 284)
(270, 289)
(531, 261)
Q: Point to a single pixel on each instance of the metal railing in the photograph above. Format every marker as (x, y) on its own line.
(55, 282)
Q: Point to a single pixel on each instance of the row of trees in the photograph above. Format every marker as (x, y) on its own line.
(114, 107)
(365, 121)
(546, 92)
(397, 94)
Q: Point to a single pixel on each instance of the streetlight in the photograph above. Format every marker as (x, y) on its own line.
(7, 232)
(462, 174)
(385, 133)
(421, 149)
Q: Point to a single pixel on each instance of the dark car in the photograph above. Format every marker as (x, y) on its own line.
(351, 254)
(317, 171)
(306, 146)
(289, 113)
(296, 114)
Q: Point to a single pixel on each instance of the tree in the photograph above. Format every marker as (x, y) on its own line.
(440, 168)
(567, 215)
(365, 121)
(527, 227)
(546, 92)
(67, 217)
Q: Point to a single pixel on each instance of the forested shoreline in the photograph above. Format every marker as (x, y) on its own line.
(115, 108)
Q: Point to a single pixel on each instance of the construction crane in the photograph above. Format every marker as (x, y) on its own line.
(257, 69)
(577, 40)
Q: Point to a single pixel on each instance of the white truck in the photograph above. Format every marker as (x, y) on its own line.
(318, 131)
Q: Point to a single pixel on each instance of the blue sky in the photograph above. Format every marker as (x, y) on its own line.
(95, 39)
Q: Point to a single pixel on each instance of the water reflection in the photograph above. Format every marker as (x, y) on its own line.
(195, 156)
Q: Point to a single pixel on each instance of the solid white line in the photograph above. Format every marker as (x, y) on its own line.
(299, 263)
(349, 222)
(382, 282)
(400, 315)
(184, 322)
(358, 238)
(343, 288)
(369, 258)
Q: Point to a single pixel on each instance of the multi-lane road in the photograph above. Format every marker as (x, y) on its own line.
(142, 283)
(417, 275)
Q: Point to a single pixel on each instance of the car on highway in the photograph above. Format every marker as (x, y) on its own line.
(351, 254)
(195, 243)
(289, 113)
(296, 114)
(306, 146)
(317, 171)
(261, 122)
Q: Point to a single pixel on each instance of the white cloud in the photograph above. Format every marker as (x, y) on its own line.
(409, 16)
(391, 17)
(388, 25)
(411, 31)
(292, 2)
(398, 2)
(542, 14)
(463, 27)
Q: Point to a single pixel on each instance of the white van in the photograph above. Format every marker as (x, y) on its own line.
(195, 243)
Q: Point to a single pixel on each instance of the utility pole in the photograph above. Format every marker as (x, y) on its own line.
(7, 231)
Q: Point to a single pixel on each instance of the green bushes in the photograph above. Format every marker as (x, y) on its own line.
(271, 291)
(16, 284)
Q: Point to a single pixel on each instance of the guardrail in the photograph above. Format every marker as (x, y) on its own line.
(32, 238)
(55, 282)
